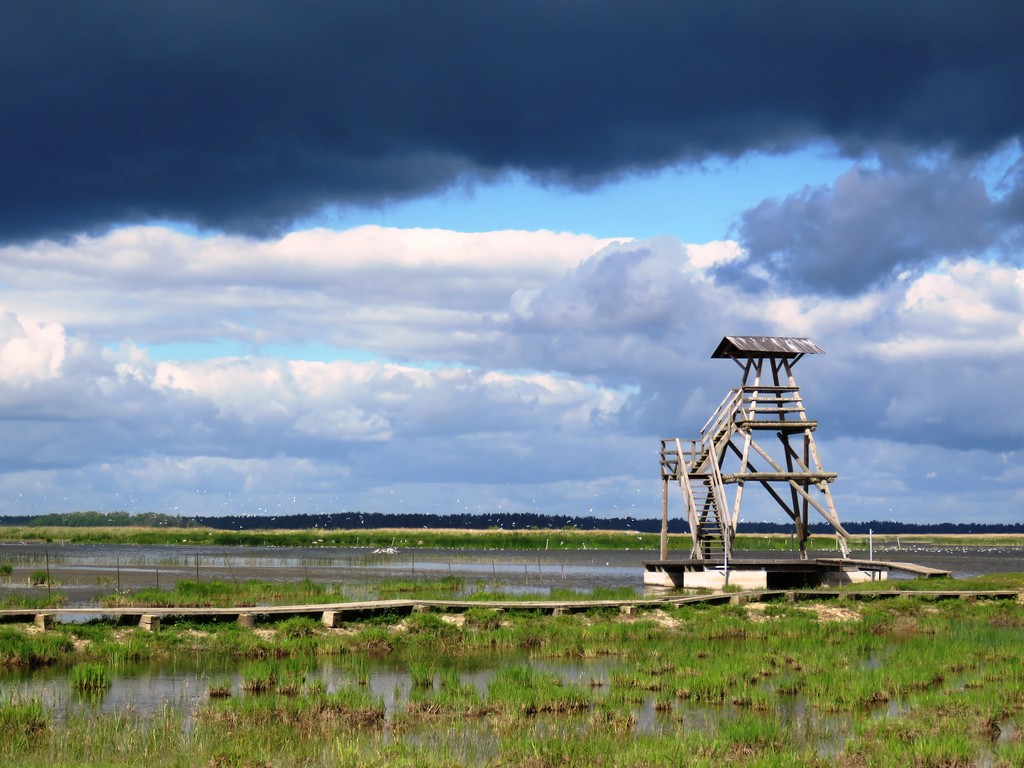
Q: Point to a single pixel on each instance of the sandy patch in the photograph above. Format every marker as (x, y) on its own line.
(662, 618)
(195, 633)
(755, 612)
(343, 630)
(831, 612)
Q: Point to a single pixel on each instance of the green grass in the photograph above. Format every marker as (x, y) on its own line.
(519, 690)
(986, 582)
(89, 677)
(906, 681)
(400, 538)
(222, 594)
(259, 677)
(20, 649)
(317, 712)
(25, 602)
(423, 589)
(21, 722)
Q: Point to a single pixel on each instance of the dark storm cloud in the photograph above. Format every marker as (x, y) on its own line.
(868, 226)
(246, 115)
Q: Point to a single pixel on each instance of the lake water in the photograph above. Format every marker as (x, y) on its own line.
(84, 571)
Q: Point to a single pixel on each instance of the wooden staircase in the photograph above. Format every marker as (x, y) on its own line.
(696, 466)
(758, 436)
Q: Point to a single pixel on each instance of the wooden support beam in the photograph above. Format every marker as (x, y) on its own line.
(781, 476)
(664, 518)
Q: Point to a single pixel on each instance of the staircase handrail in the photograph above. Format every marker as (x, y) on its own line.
(718, 489)
(691, 505)
(725, 412)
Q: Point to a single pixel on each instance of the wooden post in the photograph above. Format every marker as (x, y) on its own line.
(664, 518)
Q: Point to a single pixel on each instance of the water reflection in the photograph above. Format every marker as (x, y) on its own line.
(85, 571)
(147, 690)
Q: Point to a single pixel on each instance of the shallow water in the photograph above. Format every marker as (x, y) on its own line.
(84, 571)
(147, 690)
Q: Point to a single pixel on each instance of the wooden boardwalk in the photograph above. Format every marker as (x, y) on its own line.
(774, 573)
(335, 614)
(914, 568)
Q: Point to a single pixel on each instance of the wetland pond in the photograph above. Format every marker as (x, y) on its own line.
(150, 690)
(85, 571)
(683, 679)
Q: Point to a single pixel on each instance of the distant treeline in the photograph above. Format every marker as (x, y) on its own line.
(109, 519)
(508, 521)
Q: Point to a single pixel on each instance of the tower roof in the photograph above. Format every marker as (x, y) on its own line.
(766, 346)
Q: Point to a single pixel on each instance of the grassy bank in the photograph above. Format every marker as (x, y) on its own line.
(458, 539)
(901, 682)
(404, 538)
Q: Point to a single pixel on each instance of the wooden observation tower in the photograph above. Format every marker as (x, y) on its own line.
(759, 434)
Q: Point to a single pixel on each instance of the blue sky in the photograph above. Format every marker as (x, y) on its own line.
(320, 258)
(698, 204)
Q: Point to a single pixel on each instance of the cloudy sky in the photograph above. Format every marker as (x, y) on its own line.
(273, 257)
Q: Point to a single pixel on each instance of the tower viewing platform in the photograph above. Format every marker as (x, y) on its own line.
(759, 436)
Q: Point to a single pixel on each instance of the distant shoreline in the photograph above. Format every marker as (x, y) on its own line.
(457, 538)
(507, 522)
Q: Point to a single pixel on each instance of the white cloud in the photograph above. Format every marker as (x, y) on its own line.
(154, 257)
(391, 292)
(29, 351)
(526, 370)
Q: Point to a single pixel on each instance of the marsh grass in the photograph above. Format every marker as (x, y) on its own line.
(482, 619)
(984, 582)
(298, 627)
(947, 676)
(259, 677)
(89, 679)
(535, 539)
(220, 689)
(21, 722)
(20, 649)
(523, 690)
(310, 712)
(450, 698)
(422, 674)
(423, 589)
(357, 669)
(222, 594)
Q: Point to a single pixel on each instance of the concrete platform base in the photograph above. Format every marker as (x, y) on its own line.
(759, 574)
